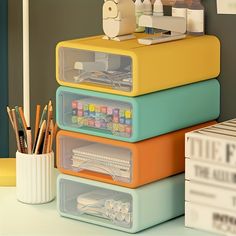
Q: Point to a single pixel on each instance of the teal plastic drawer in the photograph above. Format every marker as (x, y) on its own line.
(134, 119)
(120, 208)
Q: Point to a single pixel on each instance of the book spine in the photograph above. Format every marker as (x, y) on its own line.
(210, 174)
(210, 195)
(210, 219)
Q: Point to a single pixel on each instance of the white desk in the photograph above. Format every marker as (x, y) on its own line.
(17, 219)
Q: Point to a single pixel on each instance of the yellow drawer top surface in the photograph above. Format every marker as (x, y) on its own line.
(127, 46)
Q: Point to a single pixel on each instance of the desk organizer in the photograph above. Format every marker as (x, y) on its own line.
(35, 178)
(129, 210)
(126, 164)
(128, 68)
(131, 119)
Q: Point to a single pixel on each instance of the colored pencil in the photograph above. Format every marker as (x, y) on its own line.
(44, 130)
(10, 117)
(49, 117)
(23, 119)
(40, 138)
(16, 130)
(37, 117)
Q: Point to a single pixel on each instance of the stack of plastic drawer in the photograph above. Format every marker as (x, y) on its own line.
(124, 110)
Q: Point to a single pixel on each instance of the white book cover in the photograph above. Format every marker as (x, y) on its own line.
(214, 144)
(210, 174)
(210, 219)
(210, 195)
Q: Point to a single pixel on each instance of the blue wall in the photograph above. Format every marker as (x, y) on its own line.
(3, 79)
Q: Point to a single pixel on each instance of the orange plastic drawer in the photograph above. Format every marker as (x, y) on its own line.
(126, 164)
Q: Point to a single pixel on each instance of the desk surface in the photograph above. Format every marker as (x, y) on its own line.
(17, 219)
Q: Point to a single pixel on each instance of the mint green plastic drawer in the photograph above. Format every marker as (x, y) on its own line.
(120, 208)
(134, 119)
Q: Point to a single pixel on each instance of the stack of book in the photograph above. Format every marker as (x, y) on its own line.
(124, 110)
(211, 178)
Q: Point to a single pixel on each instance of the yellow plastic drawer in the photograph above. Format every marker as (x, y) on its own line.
(130, 69)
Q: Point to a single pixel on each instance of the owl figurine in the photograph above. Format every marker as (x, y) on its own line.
(119, 21)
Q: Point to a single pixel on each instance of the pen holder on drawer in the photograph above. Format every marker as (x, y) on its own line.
(35, 178)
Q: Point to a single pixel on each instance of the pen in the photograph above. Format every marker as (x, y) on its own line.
(19, 119)
(22, 141)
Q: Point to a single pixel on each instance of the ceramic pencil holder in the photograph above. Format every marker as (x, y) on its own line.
(35, 178)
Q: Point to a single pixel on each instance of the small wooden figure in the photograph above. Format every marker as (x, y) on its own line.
(119, 20)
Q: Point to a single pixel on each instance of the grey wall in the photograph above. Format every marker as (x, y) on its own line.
(56, 20)
(224, 27)
(51, 21)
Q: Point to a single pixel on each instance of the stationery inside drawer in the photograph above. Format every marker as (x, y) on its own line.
(97, 114)
(96, 203)
(95, 68)
(89, 157)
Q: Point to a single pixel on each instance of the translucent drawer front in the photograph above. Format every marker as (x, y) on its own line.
(96, 114)
(79, 155)
(95, 203)
(95, 68)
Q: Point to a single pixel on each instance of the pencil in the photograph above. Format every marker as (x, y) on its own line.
(23, 119)
(37, 117)
(29, 140)
(49, 117)
(40, 137)
(49, 142)
(16, 130)
(55, 130)
(52, 135)
(10, 116)
(43, 117)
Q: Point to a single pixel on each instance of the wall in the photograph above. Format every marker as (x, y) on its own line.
(3, 80)
(51, 21)
(56, 20)
(224, 27)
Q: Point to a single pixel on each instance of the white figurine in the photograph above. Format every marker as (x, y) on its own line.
(119, 21)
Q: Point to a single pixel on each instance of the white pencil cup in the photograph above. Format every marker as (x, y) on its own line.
(35, 182)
